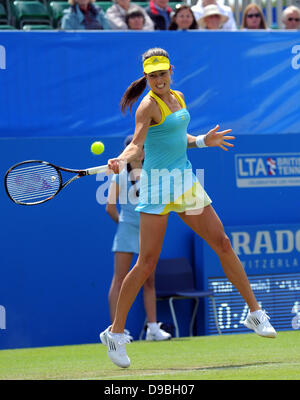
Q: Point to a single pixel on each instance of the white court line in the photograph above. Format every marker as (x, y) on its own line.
(196, 369)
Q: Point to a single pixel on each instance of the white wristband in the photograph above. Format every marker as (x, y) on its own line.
(200, 141)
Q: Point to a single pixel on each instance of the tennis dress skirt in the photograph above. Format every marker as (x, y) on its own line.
(126, 239)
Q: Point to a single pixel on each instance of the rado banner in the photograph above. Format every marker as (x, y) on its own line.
(262, 249)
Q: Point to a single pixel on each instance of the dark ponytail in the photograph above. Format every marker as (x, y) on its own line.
(132, 93)
(137, 87)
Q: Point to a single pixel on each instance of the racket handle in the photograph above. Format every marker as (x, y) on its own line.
(96, 170)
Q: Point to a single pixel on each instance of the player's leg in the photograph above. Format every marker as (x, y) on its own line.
(152, 231)
(150, 298)
(208, 225)
(122, 263)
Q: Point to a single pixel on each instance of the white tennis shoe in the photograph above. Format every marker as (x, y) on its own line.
(115, 343)
(259, 322)
(158, 335)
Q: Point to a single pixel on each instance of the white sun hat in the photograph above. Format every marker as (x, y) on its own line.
(211, 9)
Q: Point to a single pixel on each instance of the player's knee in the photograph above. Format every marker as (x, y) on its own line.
(224, 245)
(149, 265)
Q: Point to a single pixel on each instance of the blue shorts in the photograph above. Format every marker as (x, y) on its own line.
(126, 239)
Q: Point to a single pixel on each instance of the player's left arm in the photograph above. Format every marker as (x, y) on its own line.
(213, 138)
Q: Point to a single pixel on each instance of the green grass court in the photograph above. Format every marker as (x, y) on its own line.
(227, 357)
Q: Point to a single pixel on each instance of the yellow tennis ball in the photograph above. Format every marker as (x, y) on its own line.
(97, 148)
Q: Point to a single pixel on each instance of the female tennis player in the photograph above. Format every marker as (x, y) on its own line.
(161, 123)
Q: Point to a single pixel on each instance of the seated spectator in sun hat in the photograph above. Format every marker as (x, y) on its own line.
(135, 20)
(183, 18)
(212, 18)
(116, 15)
(198, 10)
(160, 13)
(291, 17)
(84, 15)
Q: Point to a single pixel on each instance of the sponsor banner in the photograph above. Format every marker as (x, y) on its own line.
(42, 94)
(262, 249)
(267, 170)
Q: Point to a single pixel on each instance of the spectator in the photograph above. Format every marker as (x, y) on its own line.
(135, 20)
(116, 15)
(159, 11)
(212, 18)
(83, 14)
(291, 17)
(197, 9)
(253, 18)
(183, 19)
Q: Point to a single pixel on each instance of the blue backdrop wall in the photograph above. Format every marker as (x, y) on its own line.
(70, 83)
(60, 92)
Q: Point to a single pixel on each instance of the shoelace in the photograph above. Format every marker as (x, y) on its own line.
(125, 339)
(264, 317)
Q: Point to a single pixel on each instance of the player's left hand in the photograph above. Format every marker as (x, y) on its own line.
(219, 139)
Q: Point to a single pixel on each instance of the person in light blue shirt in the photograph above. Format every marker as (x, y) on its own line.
(84, 15)
(124, 189)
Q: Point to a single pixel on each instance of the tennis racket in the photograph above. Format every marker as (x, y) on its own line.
(34, 182)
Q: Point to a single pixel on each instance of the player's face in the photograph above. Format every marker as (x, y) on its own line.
(159, 81)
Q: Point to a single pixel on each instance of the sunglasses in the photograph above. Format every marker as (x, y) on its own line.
(293, 19)
(253, 15)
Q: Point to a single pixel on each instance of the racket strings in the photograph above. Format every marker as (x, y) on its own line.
(33, 183)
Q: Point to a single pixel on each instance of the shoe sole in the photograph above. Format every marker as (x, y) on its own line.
(117, 364)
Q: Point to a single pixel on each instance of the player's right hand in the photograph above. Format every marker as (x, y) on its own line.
(115, 165)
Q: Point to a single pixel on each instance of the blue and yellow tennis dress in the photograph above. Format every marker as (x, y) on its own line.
(167, 180)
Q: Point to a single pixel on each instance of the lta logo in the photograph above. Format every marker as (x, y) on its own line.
(2, 57)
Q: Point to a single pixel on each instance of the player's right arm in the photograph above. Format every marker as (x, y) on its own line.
(134, 151)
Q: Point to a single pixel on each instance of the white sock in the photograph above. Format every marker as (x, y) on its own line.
(256, 313)
(115, 334)
(153, 326)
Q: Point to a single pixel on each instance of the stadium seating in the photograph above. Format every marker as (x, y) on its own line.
(57, 10)
(174, 280)
(31, 12)
(7, 27)
(104, 4)
(37, 27)
(4, 19)
(17, 13)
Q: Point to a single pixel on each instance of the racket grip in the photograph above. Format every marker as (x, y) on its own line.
(96, 170)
